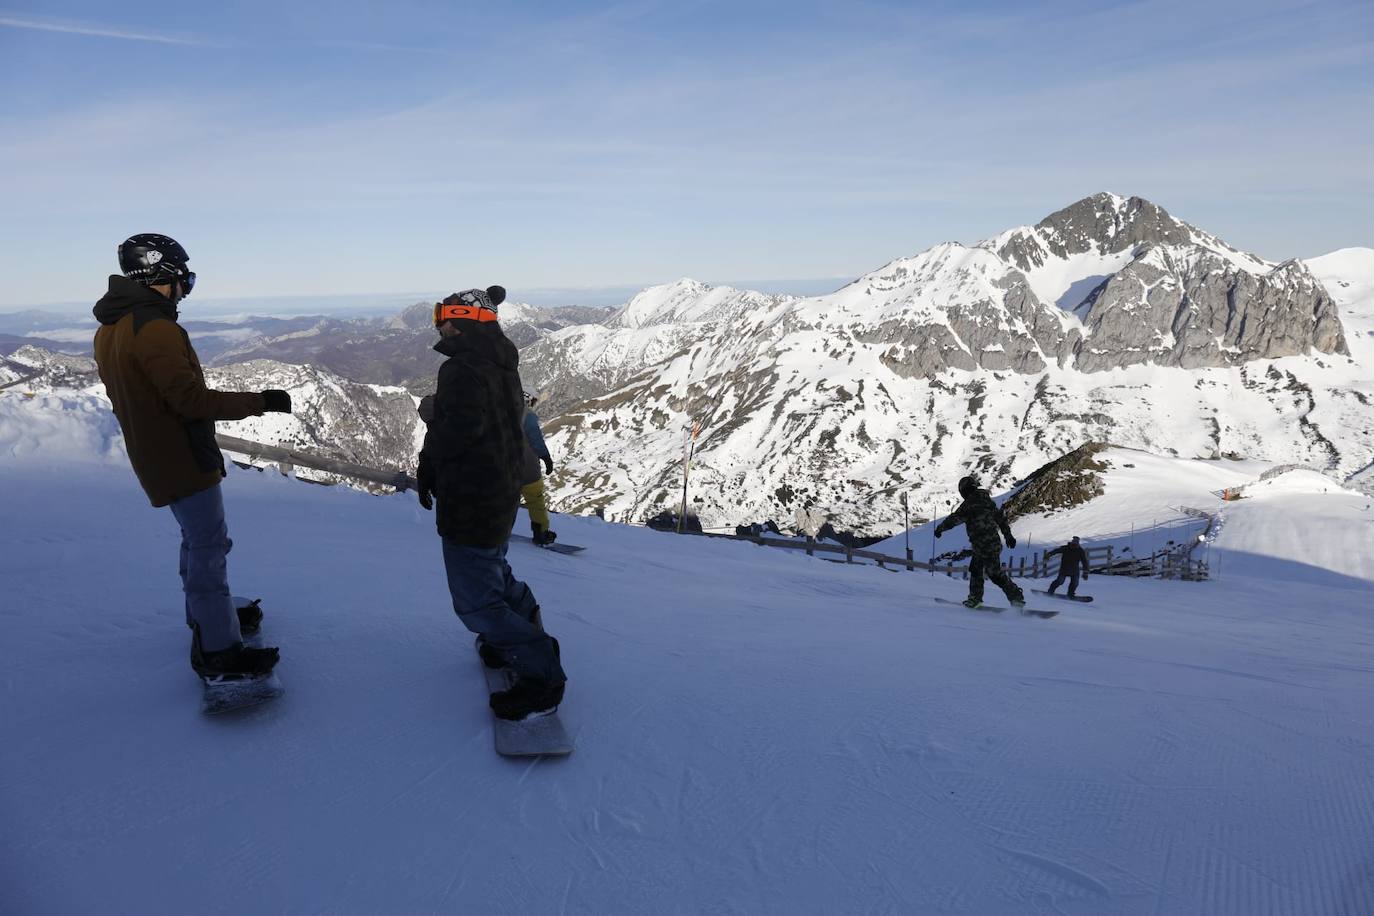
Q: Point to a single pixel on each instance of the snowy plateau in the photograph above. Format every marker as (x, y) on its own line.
(757, 731)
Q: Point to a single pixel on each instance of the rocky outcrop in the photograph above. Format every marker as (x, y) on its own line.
(1068, 481)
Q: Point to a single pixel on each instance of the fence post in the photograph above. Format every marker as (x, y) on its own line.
(1109, 560)
(909, 567)
(810, 546)
(848, 554)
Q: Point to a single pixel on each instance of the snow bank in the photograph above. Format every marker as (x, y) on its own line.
(63, 426)
(1297, 527)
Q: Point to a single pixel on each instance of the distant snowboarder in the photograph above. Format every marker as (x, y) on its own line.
(155, 384)
(986, 527)
(471, 463)
(531, 481)
(1072, 557)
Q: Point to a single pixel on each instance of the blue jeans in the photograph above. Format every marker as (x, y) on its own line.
(205, 545)
(1072, 575)
(501, 609)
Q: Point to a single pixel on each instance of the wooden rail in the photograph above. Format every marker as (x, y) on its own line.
(19, 381)
(285, 456)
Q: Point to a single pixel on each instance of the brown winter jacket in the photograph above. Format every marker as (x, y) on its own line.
(154, 380)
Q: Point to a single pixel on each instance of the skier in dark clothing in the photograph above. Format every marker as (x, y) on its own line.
(471, 464)
(986, 527)
(155, 384)
(1072, 557)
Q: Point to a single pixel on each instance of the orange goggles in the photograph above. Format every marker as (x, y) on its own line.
(444, 313)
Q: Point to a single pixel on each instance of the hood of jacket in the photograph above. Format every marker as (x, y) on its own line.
(483, 341)
(126, 296)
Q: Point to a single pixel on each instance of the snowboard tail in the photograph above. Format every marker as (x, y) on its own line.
(1025, 611)
(1084, 599)
(227, 695)
(536, 736)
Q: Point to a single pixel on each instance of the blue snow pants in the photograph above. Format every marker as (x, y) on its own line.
(205, 545)
(501, 609)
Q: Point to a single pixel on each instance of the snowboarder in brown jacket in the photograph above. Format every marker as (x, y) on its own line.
(155, 383)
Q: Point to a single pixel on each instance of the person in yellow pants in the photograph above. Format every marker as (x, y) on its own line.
(532, 483)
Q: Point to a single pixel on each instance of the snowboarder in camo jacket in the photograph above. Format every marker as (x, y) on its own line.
(986, 526)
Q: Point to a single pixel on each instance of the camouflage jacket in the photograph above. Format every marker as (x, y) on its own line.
(983, 519)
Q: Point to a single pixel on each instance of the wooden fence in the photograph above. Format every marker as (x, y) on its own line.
(1102, 561)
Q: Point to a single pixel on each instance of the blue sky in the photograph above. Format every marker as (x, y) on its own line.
(348, 147)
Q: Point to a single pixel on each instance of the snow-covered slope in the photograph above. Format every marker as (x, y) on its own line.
(1292, 524)
(757, 732)
(1296, 527)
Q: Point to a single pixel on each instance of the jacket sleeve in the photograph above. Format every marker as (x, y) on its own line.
(1083, 555)
(955, 519)
(535, 436)
(1054, 553)
(1002, 523)
(163, 354)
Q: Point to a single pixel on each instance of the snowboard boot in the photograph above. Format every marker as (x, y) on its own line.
(250, 618)
(541, 535)
(1018, 603)
(525, 699)
(490, 655)
(1051, 591)
(236, 663)
(973, 602)
(493, 658)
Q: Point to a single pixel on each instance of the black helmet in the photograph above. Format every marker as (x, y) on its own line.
(153, 259)
(967, 486)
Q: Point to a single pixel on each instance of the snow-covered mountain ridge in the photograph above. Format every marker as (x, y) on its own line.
(1159, 337)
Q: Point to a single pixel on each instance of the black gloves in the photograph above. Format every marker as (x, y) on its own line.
(1011, 541)
(424, 484)
(938, 532)
(548, 466)
(276, 401)
(426, 409)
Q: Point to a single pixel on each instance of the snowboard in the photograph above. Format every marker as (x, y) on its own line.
(1083, 598)
(538, 736)
(229, 695)
(1025, 611)
(556, 546)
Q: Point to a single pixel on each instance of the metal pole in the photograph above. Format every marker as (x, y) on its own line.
(906, 525)
(686, 469)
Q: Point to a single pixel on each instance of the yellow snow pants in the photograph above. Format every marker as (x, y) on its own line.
(532, 494)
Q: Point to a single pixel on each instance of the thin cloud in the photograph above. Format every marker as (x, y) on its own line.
(95, 30)
(377, 46)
